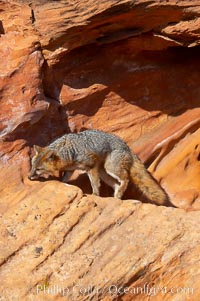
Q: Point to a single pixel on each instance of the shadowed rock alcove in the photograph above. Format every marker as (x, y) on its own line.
(127, 67)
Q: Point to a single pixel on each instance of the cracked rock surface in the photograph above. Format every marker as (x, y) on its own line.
(57, 242)
(127, 67)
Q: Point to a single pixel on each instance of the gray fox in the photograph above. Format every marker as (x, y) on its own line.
(103, 156)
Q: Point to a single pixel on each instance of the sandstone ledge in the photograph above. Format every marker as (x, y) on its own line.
(131, 68)
(127, 67)
(54, 238)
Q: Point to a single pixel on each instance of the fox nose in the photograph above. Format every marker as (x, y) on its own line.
(31, 176)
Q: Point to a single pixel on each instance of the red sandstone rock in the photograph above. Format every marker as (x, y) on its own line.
(56, 241)
(123, 67)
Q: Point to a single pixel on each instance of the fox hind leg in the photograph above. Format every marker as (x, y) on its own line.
(107, 179)
(118, 168)
(121, 187)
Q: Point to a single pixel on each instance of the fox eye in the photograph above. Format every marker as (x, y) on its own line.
(52, 157)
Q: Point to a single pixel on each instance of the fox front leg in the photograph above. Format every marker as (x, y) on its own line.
(93, 175)
(65, 175)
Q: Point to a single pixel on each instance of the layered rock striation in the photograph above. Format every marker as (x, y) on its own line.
(127, 67)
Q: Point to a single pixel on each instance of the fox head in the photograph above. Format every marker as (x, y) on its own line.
(45, 161)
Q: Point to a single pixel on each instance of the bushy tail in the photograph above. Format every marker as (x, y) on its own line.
(146, 183)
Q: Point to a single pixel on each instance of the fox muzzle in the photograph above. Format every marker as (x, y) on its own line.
(33, 175)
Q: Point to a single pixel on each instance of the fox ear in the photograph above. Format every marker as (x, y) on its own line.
(37, 149)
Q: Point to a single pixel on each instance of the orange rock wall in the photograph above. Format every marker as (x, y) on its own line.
(127, 67)
(123, 68)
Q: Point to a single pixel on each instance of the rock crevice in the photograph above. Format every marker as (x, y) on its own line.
(127, 67)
